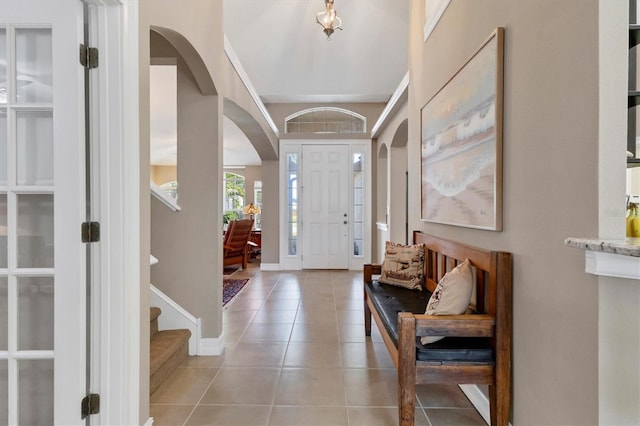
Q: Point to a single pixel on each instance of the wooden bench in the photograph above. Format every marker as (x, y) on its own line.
(478, 347)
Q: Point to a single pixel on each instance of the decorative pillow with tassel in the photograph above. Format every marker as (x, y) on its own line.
(403, 265)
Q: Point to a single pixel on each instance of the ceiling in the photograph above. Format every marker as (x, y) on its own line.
(288, 58)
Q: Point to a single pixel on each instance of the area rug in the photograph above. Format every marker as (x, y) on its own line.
(229, 271)
(231, 288)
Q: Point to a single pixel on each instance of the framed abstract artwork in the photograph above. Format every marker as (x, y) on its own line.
(461, 143)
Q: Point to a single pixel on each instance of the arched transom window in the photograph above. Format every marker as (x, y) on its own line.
(325, 120)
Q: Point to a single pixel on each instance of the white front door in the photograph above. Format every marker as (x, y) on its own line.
(42, 259)
(325, 220)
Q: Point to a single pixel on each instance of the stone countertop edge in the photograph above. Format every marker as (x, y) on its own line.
(624, 247)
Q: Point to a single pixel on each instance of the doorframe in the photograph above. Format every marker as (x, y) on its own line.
(289, 146)
(117, 355)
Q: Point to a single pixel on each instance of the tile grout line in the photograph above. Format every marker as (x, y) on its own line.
(236, 343)
(223, 361)
(340, 346)
(284, 356)
(195, 406)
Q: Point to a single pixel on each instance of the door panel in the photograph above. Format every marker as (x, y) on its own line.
(42, 263)
(325, 228)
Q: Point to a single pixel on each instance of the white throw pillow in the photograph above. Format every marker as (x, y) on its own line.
(452, 295)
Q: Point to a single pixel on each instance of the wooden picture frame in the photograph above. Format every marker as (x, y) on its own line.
(461, 143)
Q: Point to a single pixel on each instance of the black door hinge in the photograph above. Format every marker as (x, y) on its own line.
(90, 232)
(88, 56)
(90, 405)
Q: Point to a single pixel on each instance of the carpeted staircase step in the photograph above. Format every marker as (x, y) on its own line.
(155, 313)
(168, 348)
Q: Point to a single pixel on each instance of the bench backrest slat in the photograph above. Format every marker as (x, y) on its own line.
(443, 255)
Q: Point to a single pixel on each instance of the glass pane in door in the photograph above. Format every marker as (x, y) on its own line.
(34, 140)
(358, 204)
(292, 203)
(3, 66)
(3, 145)
(3, 111)
(35, 313)
(35, 231)
(4, 392)
(34, 77)
(3, 231)
(35, 388)
(4, 317)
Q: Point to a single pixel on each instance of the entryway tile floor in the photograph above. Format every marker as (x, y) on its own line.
(296, 355)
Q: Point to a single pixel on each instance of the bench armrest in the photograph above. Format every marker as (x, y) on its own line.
(371, 269)
(474, 325)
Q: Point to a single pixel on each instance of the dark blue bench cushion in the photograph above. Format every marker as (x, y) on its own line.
(390, 300)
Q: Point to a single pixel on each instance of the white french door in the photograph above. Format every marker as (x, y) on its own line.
(42, 205)
(325, 206)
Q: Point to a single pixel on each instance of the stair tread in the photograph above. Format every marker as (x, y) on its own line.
(155, 312)
(163, 345)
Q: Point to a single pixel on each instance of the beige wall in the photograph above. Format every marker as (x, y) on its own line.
(550, 185)
(270, 253)
(188, 243)
(194, 228)
(163, 174)
(619, 299)
(199, 27)
(382, 183)
(393, 135)
(196, 32)
(633, 181)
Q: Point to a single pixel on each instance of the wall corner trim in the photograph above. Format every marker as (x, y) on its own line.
(237, 66)
(211, 346)
(164, 198)
(269, 266)
(478, 400)
(398, 95)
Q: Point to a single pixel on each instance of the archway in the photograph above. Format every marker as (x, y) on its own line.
(398, 220)
(188, 243)
(381, 213)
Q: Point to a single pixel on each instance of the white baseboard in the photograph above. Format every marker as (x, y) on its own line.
(211, 346)
(269, 266)
(479, 400)
(149, 422)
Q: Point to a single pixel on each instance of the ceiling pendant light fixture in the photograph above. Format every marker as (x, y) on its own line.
(329, 19)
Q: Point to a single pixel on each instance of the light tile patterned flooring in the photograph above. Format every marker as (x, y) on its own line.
(296, 354)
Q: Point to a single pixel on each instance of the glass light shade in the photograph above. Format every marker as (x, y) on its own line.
(251, 209)
(329, 19)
